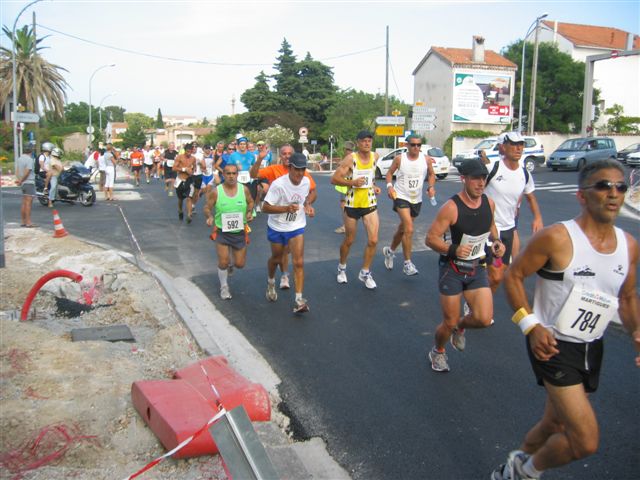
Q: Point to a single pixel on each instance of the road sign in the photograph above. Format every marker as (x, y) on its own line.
(423, 126)
(390, 120)
(424, 117)
(90, 129)
(303, 131)
(303, 139)
(27, 117)
(423, 109)
(390, 130)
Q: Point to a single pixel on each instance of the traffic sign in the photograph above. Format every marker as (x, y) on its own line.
(27, 117)
(390, 120)
(424, 117)
(422, 109)
(390, 130)
(90, 129)
(423, 126)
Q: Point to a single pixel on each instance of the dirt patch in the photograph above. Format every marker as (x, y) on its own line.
(66, 406)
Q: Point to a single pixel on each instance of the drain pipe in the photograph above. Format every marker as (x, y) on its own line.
(76, 277)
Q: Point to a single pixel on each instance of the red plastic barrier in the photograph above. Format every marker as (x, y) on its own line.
(76, 277)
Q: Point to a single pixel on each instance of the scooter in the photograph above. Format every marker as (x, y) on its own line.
(73, 186)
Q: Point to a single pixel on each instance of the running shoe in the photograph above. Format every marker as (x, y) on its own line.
(272, 295)
(300, 306)
(148, 181)
(258, 207)
(340, 229)
(188, 218)
(500, 473)
(458, 339)
(225, 294)
(180, 215)
(516, 460)
(367, 278)
(438, 361)
(388, 258)
(409, 268)
(284, 282)
(342, 275)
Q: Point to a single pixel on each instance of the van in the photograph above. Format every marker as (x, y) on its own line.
(532, 155)
(575, 153)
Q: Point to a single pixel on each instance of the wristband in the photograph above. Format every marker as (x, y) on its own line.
(451, 252)
(389, 185)
(184, 169)
(526, 321)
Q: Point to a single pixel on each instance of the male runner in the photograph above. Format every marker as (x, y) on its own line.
(410, 168)
(349, 147)
(184, 166)
(468, 216)
(233, 205)
(586, 273)
(136, 158)
(168, 158)
(356, 171)
(287, 204)
(148, 162)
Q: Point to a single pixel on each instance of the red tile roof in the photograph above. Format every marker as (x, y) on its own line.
(462, 56)
(592, 36)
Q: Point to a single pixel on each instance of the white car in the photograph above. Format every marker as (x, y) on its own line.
(441, 162)
(532, 155)
(633, 159)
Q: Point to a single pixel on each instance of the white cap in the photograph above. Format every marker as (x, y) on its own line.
(512, 137)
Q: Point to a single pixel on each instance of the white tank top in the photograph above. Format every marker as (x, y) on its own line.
(597, 275)
(410, 178)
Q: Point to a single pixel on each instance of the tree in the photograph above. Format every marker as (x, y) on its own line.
(115, 113)
(260, 98)
(618, 123)
(316, 91)
(139, 119)
(134, 136)
(287, 80)
(159, 122)
(559, 90)
(38, 82)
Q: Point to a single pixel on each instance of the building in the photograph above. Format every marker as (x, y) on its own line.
(114, 131)
(462, 89)
(618, 79)
(179, 120)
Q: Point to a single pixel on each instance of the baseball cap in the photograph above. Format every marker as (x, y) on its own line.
(349, 145)
(364, 134)
(473, 168)
(260, 142)
(242, 139)
(298, 160)
(511, 137)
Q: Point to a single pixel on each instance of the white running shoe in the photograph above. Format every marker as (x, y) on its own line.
(272, 295)
(342, 275)
(438, 361)
(410, 269)
(301, 306)
(284, 282)
(367, 278)
(388, 258)
(225, 294)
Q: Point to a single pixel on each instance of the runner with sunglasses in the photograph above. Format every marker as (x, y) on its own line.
(586, 273)
(410, 168)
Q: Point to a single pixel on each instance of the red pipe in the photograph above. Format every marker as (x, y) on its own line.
(76, 277)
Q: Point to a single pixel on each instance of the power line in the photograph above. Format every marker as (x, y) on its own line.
(393, 75)
(192, 61)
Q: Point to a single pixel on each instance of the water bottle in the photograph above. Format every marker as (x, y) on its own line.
(433, 201)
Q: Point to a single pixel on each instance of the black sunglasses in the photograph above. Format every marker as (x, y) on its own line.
(415, 144)
(603, 185)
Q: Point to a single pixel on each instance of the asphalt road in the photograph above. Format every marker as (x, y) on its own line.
(354, 370)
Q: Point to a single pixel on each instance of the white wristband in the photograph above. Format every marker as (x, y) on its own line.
(528, 322)
(389, 185)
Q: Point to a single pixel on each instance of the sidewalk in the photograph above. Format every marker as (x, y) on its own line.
(83, 388)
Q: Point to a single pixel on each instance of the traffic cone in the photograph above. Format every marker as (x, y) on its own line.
(58, 228)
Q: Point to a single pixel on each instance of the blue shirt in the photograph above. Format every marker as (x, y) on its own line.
(242, 160)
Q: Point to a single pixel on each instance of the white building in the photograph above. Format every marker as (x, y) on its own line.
(618, 79)
(464, 89)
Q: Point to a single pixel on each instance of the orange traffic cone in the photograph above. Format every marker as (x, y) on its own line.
(58, 228)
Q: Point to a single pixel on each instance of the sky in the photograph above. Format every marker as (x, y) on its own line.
(192, 57)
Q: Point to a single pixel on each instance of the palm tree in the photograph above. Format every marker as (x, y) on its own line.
(39, 83)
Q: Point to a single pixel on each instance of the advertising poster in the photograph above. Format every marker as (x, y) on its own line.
(482, 97)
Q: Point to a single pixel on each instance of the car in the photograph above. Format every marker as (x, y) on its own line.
(532, 155)
(625, 152)
(633, 159)
(440, 166)
(575, 153)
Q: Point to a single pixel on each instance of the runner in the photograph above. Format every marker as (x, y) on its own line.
(586, 273)
(217, 158)
(410, 168)
(210, 176)
(169, 157)
(233, 205)
(468, 216)
(137, 159)
(197, 175)
(157, 162)
(184, 167)
(287, 204)
(356, 171)
(270, 174)
(244, 159)
(148, 162)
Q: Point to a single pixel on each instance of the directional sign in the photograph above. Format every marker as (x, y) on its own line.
(390, 130)
(27, 117)
(424, 126)
(424, 117)
(390, 120)
(422, 109)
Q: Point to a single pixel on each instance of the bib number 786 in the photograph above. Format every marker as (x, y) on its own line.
(585, 320)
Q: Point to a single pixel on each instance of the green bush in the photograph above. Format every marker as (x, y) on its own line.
(448, 143)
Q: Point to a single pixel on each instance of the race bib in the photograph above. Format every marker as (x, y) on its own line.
(366, 174)
(170, 163)
(586, 314)
(289, 217)
(412, 183)
(244, 177)
(477, 243)
(232, 222)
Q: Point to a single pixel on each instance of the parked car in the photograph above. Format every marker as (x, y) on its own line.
(575, 153)
(440, 166)
(625, 152)
(532, 155)
(633, 159)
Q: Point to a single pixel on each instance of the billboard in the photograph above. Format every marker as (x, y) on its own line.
(482, 97)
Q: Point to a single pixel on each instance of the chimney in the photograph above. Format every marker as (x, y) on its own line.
(629, 45)
(477, 49)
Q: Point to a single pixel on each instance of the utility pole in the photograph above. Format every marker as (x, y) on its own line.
(233, 105)
(534, 78)
(386, 81)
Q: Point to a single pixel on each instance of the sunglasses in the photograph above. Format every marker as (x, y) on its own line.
(606, 185)
(415, 144)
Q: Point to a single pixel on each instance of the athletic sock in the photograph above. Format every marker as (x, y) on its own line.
(529, 470)
(364, 272)
(298, 296)
(271, 281)
(222, 275)
(342, 266)
(439, 350)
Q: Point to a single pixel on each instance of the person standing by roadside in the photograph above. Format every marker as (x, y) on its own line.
(110, 172)
(356, 171)
(287, 203)
(184, 166)
(468, 216)
(233, 206)
(586, 273)
(43, 158)
(169, 158)
(349, 147)
(102, 168)
(410, 168)
(26, 178)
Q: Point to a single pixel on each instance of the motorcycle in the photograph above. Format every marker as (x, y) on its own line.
(73, 186)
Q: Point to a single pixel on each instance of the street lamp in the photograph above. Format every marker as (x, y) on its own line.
(100, 107)
(90, 80)
(524, 43)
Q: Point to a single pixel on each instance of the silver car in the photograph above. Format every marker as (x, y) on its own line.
(575, 153)
(440, 166)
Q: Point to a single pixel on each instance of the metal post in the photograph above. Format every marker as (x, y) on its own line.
(90, 106)
(524, 44)
(534, 77)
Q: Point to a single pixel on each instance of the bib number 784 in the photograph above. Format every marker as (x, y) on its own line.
(585, 320)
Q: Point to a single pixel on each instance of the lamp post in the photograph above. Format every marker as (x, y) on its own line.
(524, 43)
(90, 129)
(100, 108)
